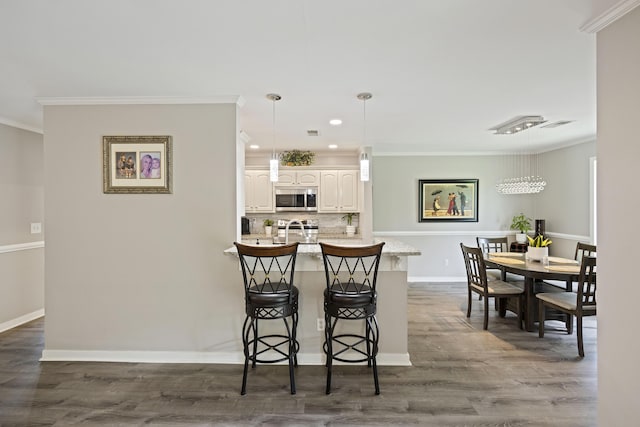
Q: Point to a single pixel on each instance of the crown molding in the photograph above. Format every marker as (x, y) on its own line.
(141, 100)
(18, 125)
(609, 16)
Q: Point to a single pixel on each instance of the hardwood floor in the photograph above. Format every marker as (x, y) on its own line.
(461, 376)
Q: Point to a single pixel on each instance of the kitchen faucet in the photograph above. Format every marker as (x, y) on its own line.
(303, 230)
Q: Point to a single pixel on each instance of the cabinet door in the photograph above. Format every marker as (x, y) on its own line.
(348, 191)
(258, 192)
(328, 191)
(310, 177)
(286, 177)
(292, 177)
(338, 191)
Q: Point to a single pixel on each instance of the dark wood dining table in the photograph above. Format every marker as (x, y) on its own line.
(534, 274)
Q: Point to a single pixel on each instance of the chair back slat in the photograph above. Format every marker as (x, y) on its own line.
(584, 249)
(493, 244)
(475, 266)
(587, 283)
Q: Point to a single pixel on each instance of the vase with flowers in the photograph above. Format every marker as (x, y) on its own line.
(538, 249)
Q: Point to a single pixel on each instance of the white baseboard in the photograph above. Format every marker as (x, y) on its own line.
(10, 324)
(445, 279)
(235, 358)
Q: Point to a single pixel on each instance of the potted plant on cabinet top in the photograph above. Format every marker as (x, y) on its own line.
(297, 158)
(268, 223)
(538, 248)
(522, 224)
(351, 229)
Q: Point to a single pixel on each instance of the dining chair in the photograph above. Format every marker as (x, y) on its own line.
(351, 275)
(579, 304)
(490, 245)
(583, 249)
(268, 272)
(477, 282)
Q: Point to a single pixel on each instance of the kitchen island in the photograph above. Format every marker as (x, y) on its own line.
(392, 299)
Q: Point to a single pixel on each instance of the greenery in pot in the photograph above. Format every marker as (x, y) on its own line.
(297, 158)
(349, 217)
(267, 222)
(539, 241)
(521, 222)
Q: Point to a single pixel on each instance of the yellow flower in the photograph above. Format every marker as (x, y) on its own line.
(538, 241)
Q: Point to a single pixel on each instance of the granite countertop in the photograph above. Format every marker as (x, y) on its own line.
(392, 247)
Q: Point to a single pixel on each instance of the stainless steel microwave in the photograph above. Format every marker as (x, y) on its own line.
(292, 199)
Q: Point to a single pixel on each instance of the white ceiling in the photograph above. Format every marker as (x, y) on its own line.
(441, 72)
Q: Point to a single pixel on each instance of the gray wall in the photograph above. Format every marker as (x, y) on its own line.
(618, 206)
(129, 272)
(395, 205)
(21, 192)
(565, 201)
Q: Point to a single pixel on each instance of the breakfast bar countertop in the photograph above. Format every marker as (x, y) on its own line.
(392, 247)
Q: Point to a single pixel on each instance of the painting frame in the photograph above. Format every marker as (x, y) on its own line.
(137, 164)
(432, 190)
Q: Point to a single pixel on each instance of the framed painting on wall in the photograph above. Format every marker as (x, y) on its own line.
(448, 200)
(136, 164)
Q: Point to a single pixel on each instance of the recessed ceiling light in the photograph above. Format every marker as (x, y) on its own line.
(335, 122)
(333, 146)
(254, 146)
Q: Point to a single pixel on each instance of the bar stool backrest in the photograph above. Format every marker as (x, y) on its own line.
(351, 270)
(267, 269)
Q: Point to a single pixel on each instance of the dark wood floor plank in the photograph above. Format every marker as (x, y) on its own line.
(461, 376)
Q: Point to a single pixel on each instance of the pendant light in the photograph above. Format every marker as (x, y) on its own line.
(364, 158)
(273, 163)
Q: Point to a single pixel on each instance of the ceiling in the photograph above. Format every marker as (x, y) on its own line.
(441, 72)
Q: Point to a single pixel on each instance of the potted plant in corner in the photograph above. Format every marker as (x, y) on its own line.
(522, 224)
(538, 248)
(351, 229)
(268, 223)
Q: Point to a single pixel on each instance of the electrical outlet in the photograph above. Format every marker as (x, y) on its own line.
(320, 324)
(36, 227)
(446, 262)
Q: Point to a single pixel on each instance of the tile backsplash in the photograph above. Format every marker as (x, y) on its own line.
(328, 223)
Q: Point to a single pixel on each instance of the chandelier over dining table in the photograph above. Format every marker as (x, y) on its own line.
(524, 176)
(527, 181)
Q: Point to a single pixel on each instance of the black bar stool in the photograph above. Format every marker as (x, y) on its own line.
(351, 274)
(269, 294)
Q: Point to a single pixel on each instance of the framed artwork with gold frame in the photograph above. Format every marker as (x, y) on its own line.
(137, 164)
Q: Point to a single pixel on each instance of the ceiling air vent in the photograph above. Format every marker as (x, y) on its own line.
(558, 123)
(313, 132)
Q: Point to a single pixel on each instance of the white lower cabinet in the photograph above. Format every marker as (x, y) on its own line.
(258, 191)
(338, 191)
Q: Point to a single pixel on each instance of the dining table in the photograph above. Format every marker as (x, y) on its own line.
(535, 272)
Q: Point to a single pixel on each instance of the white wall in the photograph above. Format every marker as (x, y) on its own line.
(618, 206)
(395, 205)
(21, 192)
(134, 272)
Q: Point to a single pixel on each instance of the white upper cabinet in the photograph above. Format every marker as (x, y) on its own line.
(299, 178)
(258, 189)
(338, 191)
